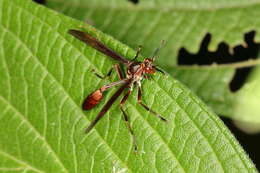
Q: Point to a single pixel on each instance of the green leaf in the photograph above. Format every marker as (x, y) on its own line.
(45, 75)
(182, 24)
(211, 83)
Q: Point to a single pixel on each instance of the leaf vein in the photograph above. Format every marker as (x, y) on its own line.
(73, 101)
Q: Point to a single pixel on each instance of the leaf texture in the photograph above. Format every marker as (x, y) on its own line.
(211, 83)
(45, 75)
(182, 24)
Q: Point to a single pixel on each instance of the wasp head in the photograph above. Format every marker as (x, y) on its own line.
(148, 66)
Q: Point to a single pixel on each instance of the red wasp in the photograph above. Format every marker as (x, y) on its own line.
(136, 71)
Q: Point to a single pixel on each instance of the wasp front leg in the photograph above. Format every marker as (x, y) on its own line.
(116, 67)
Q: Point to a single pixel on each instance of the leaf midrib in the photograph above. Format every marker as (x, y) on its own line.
(19, 161)
(157, 7)
(236, 65)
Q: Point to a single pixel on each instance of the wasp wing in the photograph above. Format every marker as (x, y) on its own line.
(93, 42)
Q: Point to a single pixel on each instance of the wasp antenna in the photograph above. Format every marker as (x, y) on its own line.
(158, 49)
(138, 52)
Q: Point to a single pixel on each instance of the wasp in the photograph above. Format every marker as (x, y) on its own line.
(135, 72)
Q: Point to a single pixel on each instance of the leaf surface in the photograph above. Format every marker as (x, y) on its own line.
(182, 24)
(211, 83)
(45, 75)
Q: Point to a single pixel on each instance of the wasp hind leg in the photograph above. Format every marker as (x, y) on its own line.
(127, 119)
(146, 107)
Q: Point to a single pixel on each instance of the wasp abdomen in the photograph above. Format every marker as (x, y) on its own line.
(92, 100)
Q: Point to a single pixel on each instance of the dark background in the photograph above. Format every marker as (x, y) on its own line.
(249, 142)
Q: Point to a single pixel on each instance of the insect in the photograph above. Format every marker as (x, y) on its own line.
(136, 71)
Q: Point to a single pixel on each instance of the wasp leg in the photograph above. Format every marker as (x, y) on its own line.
(127, 119)
(146, 107)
